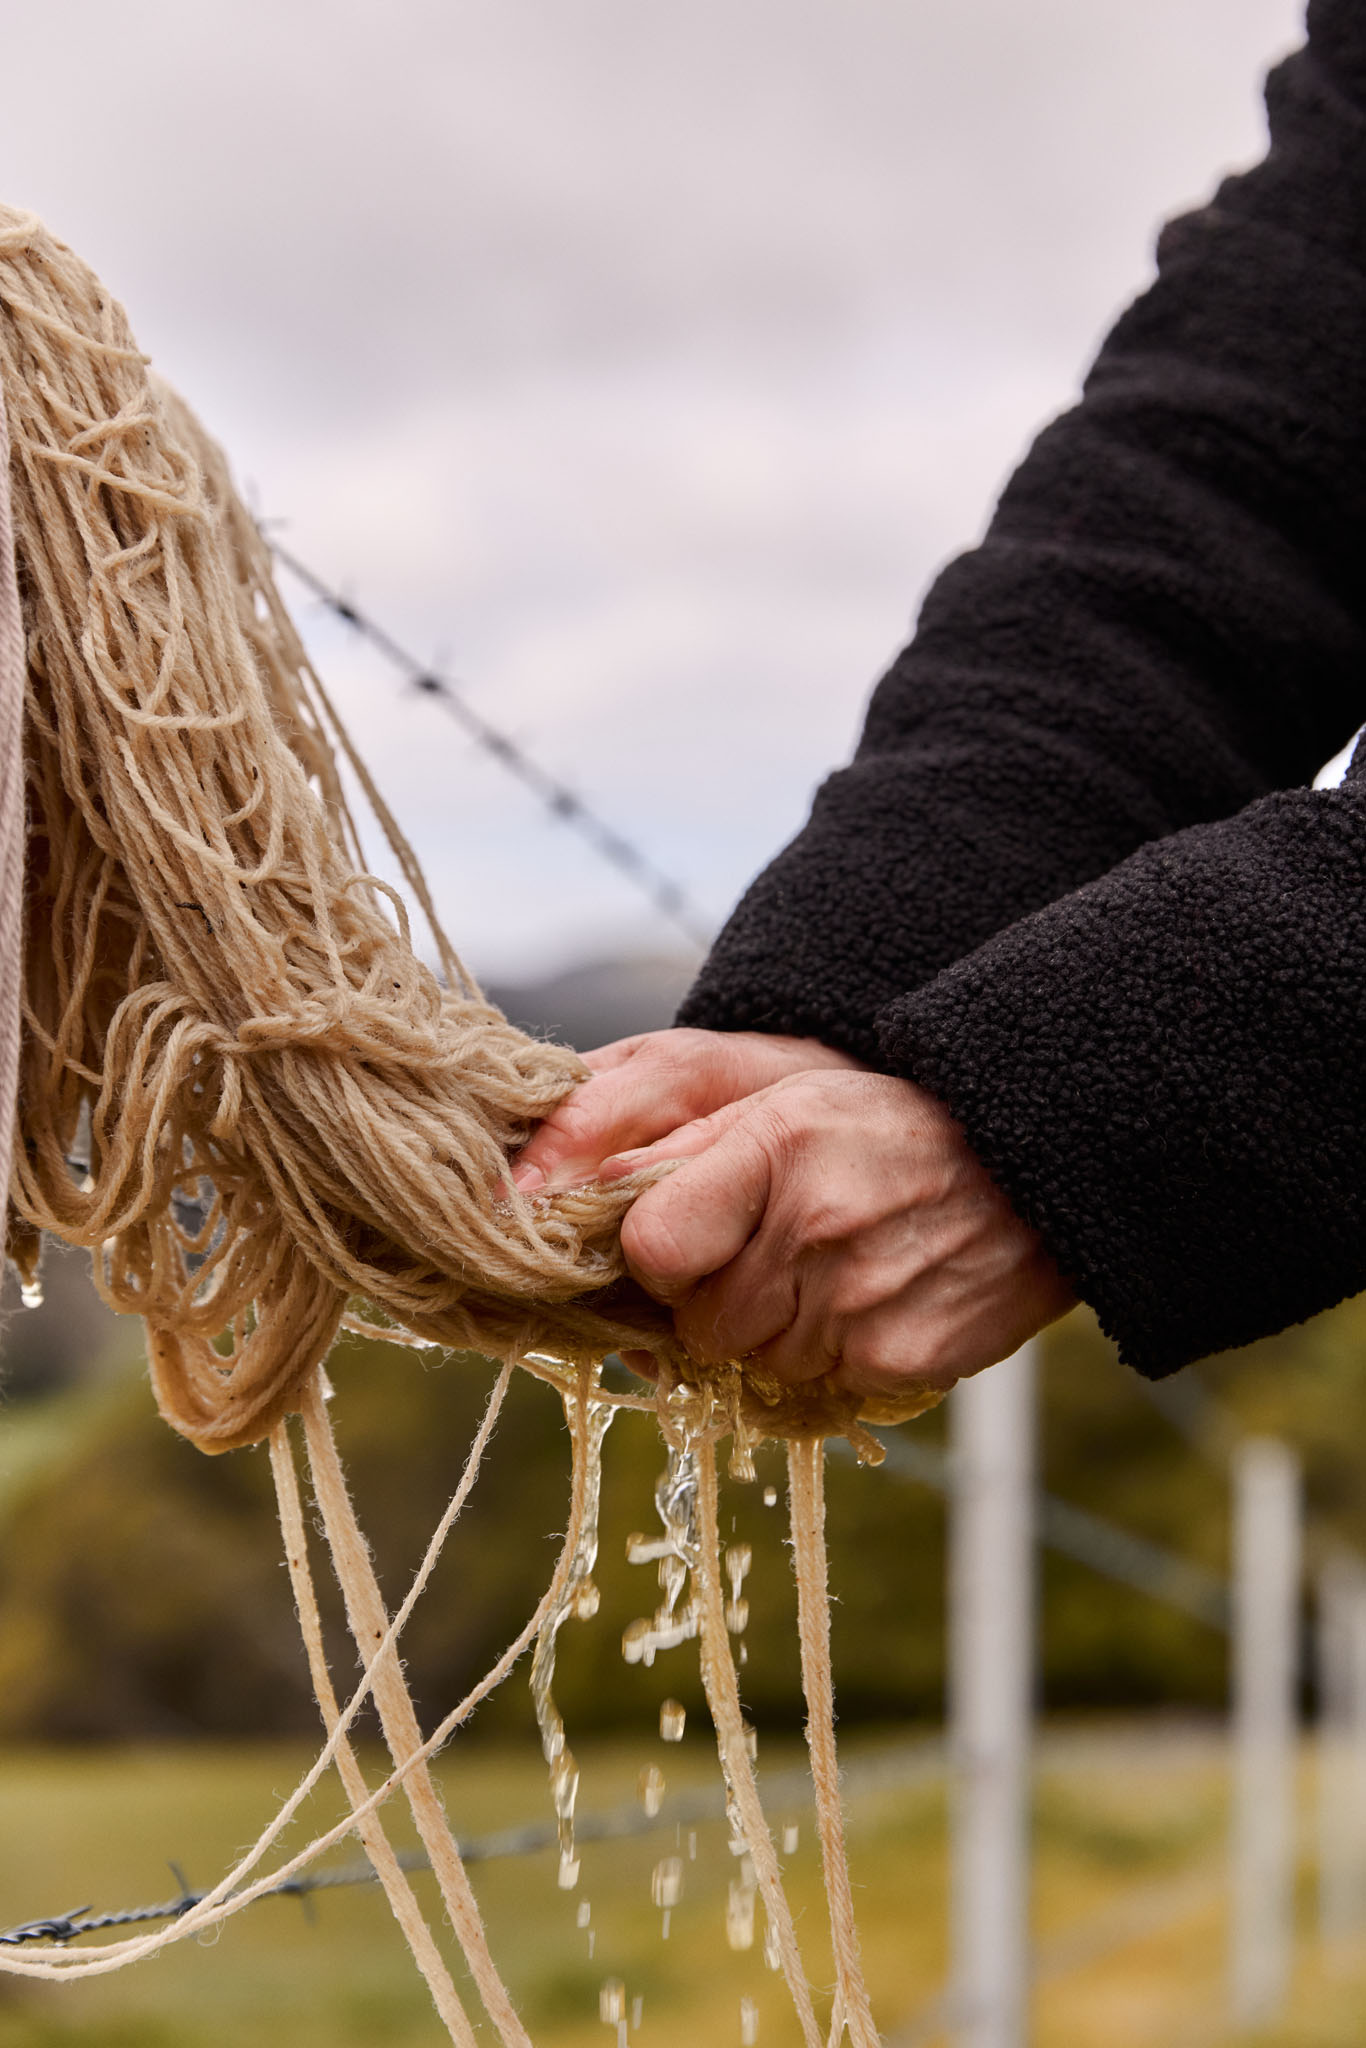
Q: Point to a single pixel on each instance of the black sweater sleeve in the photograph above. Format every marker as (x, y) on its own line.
(1160, 1053)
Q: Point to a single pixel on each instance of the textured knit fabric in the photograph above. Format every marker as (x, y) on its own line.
(11, 815)
(1074, 881)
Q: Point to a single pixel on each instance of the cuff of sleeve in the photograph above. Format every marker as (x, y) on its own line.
(1165, 1073)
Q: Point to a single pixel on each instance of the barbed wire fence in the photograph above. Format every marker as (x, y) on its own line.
(621, 852)
(1106, 1547)
(1259, 1611)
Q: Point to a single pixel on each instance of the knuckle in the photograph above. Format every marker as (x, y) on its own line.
(826, 1222)
(573, 1121)
(870, 1349)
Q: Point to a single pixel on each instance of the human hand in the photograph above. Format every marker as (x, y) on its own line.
(644, 1088)
(837, 1222)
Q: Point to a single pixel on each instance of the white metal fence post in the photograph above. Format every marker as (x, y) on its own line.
(991, 1667)
(1266, 1576)
(1340, 1646)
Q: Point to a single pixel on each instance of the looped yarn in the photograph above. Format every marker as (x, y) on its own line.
(240, 1085)
(242, 1089)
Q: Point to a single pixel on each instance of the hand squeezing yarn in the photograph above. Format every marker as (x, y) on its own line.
(830, 1221)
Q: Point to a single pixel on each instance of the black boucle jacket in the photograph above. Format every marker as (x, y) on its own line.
(1074, 881)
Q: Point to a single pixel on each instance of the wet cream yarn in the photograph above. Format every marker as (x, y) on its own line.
(275, 1105)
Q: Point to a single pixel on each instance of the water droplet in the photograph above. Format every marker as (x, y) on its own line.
(751, 1735)
(584, 1914)
(742, 1655)
(666, 1881)
(749, 2023)
(564, 1783)
(611, 2001)
(773, 1959)
(592, 1942)
(737, 1616)
(586, 1601)
(650, 1789)
(770, 1496)
(31, 1293)
(739, 1558)
(636, 1639)
(578, 1598)
(740, 1917)
(672, 1718)
(791, 1836)
(637, 2012)
(692, 1845)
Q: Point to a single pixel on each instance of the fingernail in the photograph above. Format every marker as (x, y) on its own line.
(527, 1179)
(620, 1164)
(673, 1293)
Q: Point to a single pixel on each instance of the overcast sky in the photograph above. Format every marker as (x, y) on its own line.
(643, 361)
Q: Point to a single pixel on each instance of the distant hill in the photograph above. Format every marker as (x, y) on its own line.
(601, 1000)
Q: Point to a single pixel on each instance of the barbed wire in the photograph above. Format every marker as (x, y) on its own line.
(686, 1809)
(683, 1811)
(667, 895)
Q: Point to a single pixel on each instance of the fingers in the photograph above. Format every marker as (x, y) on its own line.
(571, 1142)
(641, 1089)
(935, 1332)
(684, 1143)
(646, 1087)
(739, 1312)
(604, 1057)
(701, 1217)
(643, 1362)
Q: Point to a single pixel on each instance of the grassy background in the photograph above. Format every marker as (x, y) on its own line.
(1127, 1900)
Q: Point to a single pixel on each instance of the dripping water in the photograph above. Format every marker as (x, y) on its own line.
(675, 1620)
(579, 1599)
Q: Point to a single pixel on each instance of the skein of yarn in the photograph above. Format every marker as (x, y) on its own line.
(240, 1087)
(274, 1104)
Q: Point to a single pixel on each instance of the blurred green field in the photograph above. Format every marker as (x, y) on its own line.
(1128, 1902)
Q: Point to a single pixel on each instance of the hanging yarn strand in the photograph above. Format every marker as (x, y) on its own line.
(397, 1889)
(244, 1092)
(369, 1625)
(806, 1501)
